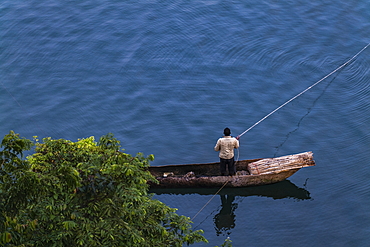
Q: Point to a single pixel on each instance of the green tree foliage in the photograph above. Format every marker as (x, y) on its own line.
(83, 193)
(227, 243)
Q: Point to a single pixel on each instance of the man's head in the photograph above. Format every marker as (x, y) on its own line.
(227, 132)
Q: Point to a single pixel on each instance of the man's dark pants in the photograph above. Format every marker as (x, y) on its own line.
(230, 164)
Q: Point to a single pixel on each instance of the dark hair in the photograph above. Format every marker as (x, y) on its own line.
(227, 132)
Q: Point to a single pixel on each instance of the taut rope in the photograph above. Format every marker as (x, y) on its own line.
(209, 200)
(340, 67)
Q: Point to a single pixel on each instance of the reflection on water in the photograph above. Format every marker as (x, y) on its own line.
(225, 220)
(283, 189)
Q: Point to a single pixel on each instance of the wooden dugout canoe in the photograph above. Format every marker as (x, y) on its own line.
(249, 172)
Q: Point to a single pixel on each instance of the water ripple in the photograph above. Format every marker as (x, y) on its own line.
(167, 76)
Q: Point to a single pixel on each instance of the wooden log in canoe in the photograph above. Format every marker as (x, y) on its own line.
(249, 172)
(273, 165)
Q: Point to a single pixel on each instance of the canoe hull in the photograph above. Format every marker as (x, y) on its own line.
(219, 181)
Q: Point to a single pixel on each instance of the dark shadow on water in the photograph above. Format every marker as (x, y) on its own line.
(224, 220)
(284, 189)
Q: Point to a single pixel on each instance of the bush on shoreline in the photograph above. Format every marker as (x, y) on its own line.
(83, 193)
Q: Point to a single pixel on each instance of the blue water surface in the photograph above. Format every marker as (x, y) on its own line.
(166, 77)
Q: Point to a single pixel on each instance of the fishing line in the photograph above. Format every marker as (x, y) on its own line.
(209, 200)
(287, 102)
(308, 112)
(209, 215)
(16, 101)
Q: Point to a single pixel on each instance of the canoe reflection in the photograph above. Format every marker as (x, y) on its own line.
(284, 189)
(224, 220)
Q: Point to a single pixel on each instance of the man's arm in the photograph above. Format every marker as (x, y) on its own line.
(218, 145)
(236, 143)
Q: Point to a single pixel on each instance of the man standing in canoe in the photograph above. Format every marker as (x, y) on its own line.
(226, 146)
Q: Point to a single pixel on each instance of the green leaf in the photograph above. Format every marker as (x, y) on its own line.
(83, 194)
(69, 225)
